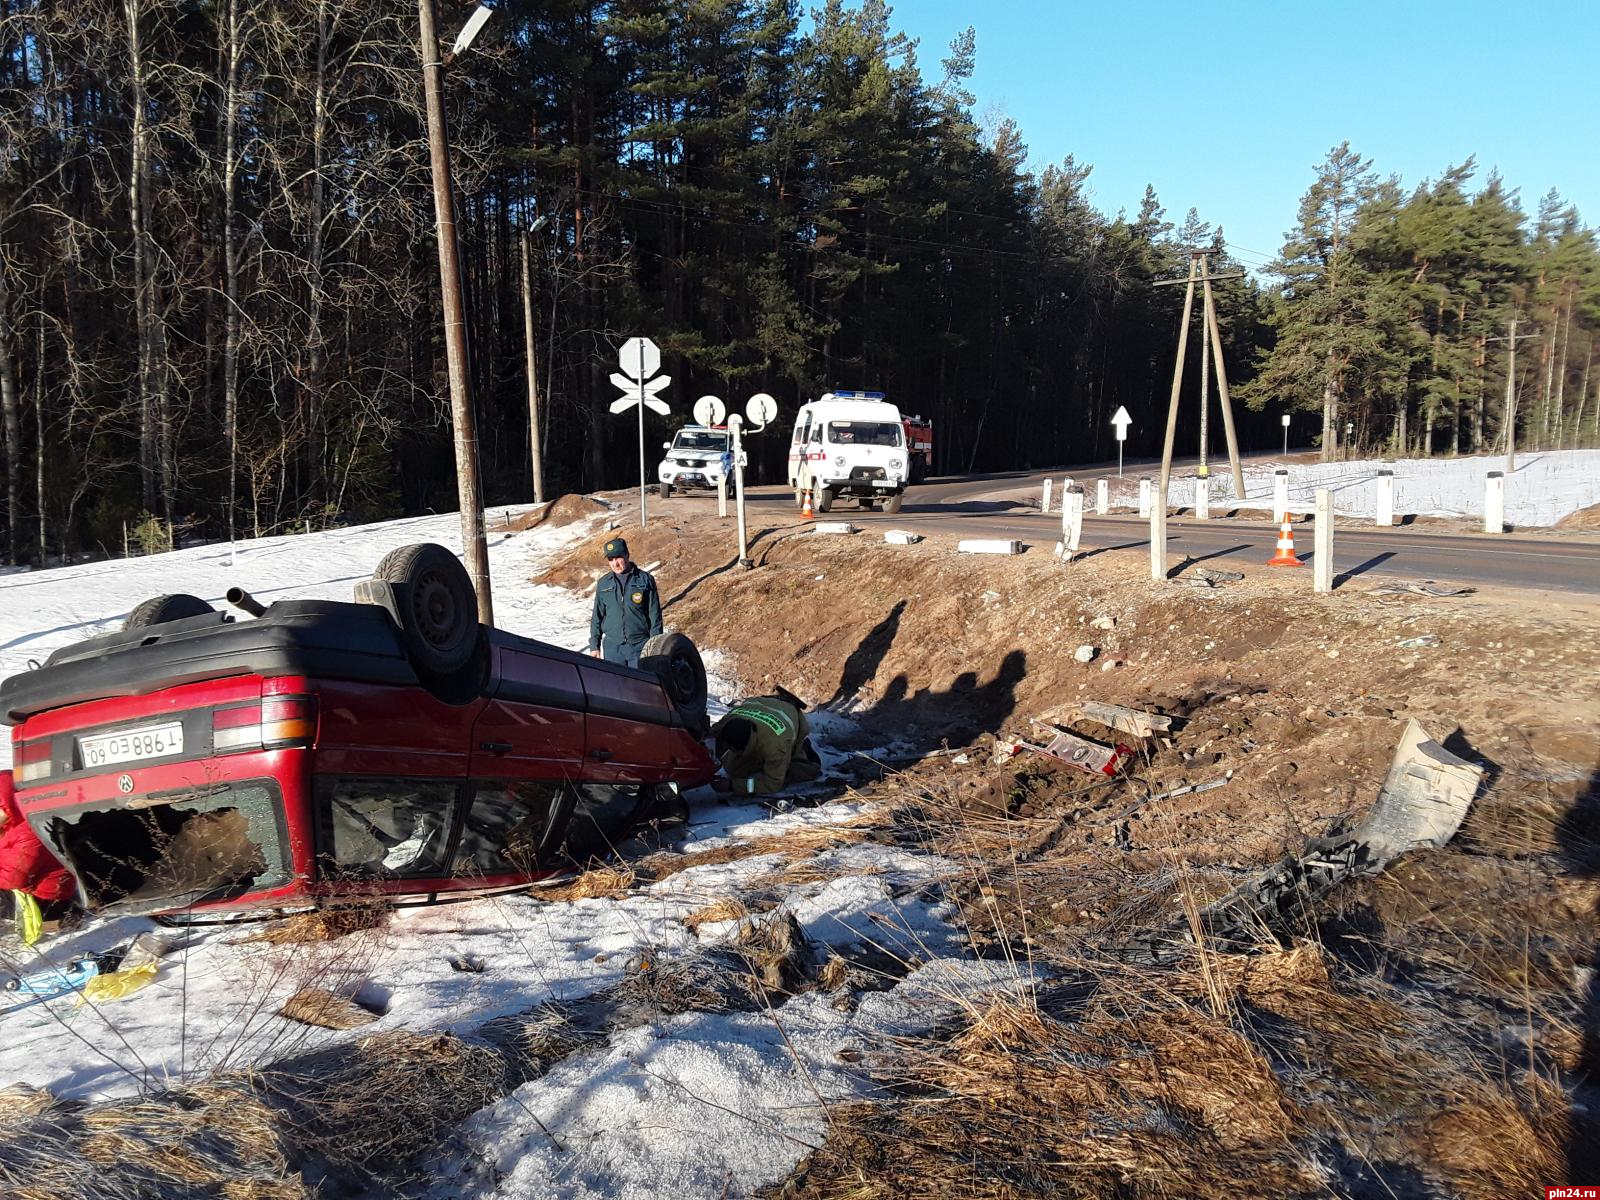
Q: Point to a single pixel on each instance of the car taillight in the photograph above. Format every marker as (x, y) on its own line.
(275, 722)
(817, 456)
(31, 761)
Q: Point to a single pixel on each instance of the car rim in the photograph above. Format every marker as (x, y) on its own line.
(434, 608)
(683, 678)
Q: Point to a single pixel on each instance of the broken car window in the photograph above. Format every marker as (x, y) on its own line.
(383, 826)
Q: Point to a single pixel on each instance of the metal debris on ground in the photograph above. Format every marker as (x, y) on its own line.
(1421, 805)
(1076, 751)
(1425, 587)
(1124, 720)
(1213, 576)
(1190, 788)
(1416, 643)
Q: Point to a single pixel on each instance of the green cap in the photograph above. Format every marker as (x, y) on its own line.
(616, 548)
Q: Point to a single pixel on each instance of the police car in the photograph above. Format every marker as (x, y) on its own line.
(698, 457)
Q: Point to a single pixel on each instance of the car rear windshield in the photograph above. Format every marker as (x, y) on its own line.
(700, 441)
(207, 845)
(863, 433)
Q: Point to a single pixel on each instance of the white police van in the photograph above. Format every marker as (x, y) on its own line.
(849, 444)
(697, 457)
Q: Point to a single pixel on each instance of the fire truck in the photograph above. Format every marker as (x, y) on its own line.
(919, 446)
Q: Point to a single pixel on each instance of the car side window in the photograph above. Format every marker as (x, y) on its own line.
(385, 827)
(506, 825)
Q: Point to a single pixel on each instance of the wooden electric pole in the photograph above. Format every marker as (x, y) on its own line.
(469, 491)
(1512, 337)
(1200, 272)
(530, 341)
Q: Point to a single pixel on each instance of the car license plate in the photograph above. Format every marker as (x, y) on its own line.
(129, 745)
(883, 483)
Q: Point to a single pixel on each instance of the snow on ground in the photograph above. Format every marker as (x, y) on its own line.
(1546, 486)
(695, 1104)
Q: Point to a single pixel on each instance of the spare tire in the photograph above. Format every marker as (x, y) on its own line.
(434, 604)
(158, 610)
(673, 659)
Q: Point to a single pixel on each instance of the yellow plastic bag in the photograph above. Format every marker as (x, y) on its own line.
(117, 985)
(30, 921)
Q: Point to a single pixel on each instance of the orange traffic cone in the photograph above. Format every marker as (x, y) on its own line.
(1285, 556)
(805, 512)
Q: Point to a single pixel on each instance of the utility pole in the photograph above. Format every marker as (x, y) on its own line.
(1512, 337)
(1205, 388)
(469, 491)
(535, 447)
(1199, 272)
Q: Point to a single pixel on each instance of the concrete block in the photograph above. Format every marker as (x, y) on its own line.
(834, 527)
(988, 546)
(902, 537)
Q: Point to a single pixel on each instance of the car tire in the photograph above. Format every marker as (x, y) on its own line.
(158, 610)
(673, 659)
(824, 499)
(438, 611)
(891, 504)
(666, 490)
(867, 504)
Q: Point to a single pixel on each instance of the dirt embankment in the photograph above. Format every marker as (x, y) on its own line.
(1479, 958)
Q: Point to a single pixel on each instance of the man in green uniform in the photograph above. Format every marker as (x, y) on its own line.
(627, 609)
(764, 745)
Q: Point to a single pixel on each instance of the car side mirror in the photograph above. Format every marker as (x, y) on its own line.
(666, 445)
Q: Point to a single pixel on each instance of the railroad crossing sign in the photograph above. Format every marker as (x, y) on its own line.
(639, 358)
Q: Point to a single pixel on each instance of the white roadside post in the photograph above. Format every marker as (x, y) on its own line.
(1071, 522)
(640, 358)
(1322, 543)
(1158, 539)
(1044, 505)
(709, 411)
(1385, 514)
(1202, 498)
(1280, 495)
(1494, 502)
(1121, 420)
(1102, 496)
(1144, 497)
(760, 409)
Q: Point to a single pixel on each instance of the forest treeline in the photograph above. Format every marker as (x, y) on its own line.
(219, 294)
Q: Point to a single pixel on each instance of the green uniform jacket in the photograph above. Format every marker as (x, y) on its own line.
(627, 613)
(762, 767)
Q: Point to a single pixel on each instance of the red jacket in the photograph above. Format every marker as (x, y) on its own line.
(25, 865)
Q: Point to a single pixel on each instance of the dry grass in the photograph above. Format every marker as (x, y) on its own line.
(778, 952)
(796, 844)
(729, 908)
(1017, 1103)
(391, 1097)
(605, 881)
(325, 1009)
(324, 924)
(211, 1140)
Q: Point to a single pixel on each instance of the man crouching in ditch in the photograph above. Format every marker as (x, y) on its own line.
(764, 746)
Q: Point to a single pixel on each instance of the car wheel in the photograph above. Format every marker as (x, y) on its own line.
(666, 489)
(673, 659)
(437, 608)
(866, 504)
(158, 610)
(891, 504)
(824, 499)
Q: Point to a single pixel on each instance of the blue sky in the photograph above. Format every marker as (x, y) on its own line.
(1226, 105)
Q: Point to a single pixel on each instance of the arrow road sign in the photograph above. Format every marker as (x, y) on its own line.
(1121, 420)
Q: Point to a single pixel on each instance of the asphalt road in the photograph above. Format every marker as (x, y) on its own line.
(976, 507)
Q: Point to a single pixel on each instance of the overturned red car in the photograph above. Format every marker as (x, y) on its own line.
(194, 763)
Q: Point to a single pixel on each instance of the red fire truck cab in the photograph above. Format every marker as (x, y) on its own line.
(919, 447)
(390, 746)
